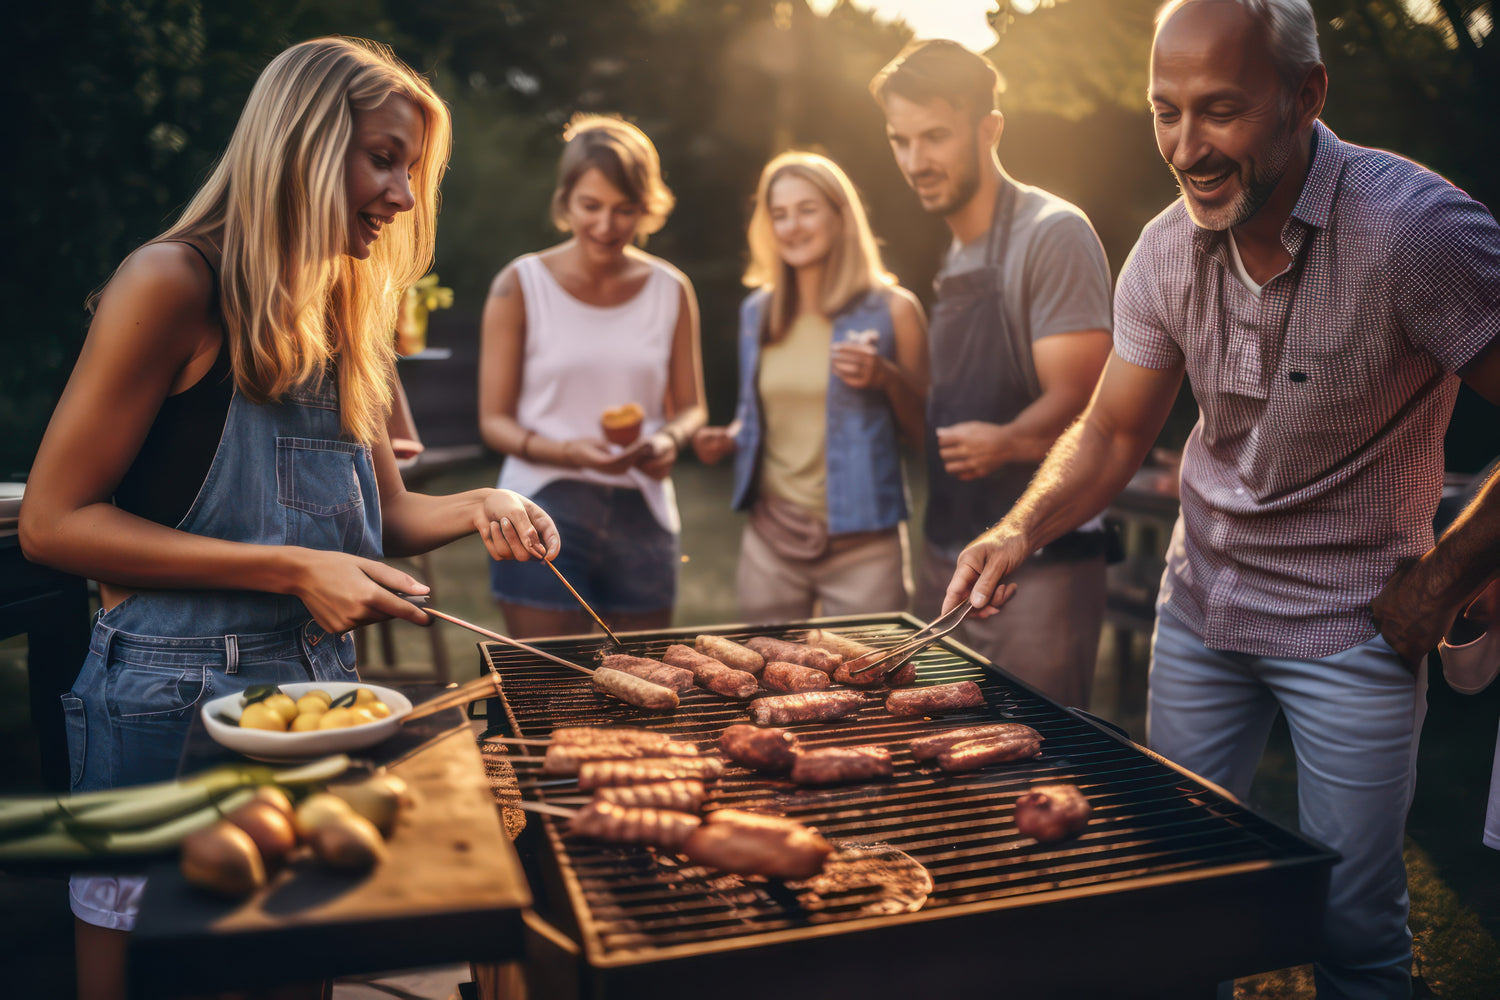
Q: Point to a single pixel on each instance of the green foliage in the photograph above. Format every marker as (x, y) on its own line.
(124, 104)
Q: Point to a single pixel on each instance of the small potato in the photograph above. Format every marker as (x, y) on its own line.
(379, 709)
(320, 694)
(282, 705)
(363, 696)
(361, 714)
(262, 716)
(307, 722)
(311, 704)
(337, 718)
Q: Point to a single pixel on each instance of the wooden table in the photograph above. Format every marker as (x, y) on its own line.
(452, 889)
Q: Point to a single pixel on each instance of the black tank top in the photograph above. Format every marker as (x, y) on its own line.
(169, 470)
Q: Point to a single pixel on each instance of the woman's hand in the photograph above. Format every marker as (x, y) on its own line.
(343, 591)
(859, 365)
(712, 443)
(586, 453)
(515, 528)
(658, 455)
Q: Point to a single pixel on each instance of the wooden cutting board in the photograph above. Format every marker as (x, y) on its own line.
(451, 890)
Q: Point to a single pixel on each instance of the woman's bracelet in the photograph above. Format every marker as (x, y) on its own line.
(525, 441)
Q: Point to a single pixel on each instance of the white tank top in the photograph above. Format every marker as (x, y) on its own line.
(580, 360)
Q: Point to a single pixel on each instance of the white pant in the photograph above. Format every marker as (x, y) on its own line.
(1355, 718)
(868, 578)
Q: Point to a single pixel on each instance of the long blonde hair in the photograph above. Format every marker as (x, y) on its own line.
(292, 300)
(854, 266)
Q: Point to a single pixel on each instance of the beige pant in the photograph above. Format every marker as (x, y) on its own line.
(1047, 634)
(871, 577)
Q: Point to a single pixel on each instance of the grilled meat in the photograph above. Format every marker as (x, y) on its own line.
(848, 648)
(683, 795)
(654, 671)
(619, 825)
(809, 706)
(971, 755)
(710, 673)
(934, 699)
(761, 749)
(928, 747)
(731, 654)
(795, 652)
(629, 735)
(832, 765)
(635, 690)
(782, 676)
(594, 774)
(564, 759)
(1052, 812)
(751, 844)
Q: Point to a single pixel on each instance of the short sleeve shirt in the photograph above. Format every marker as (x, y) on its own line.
(1317, 460)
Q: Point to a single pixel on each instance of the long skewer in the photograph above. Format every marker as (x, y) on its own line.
(579, 597)
(421, 602)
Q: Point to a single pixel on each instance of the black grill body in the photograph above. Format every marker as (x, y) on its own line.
(1172, 886)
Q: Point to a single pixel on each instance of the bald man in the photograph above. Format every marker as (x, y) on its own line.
(1324, 300)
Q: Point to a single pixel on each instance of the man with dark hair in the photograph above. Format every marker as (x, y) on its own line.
(1324, 300)
(1019, 335)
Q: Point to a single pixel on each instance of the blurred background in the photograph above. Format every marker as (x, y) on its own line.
(124, 104)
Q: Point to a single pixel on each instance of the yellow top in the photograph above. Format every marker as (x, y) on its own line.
(794, 406)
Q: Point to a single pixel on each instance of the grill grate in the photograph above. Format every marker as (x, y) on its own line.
(1152, 824)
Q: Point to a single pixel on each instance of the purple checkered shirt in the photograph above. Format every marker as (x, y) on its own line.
(1317, 459)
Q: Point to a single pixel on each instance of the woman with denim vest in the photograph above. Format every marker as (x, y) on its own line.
(833, 371)
(219, 461)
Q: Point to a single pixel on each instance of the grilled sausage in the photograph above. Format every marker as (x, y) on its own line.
(831, 765)
(1052, 812)
(654, 671)
(934, 699)
(907, 674)
(563, 758)
(795, 652)
(731, 654)
(684, 795)
(782, 676)
(752, 844)
(619, 825)
(594, 774)
(928, 747)
(592, 735)
(635, 690)
(971, 755)
(761, 749)
(846, 647)
(710, 673)
(809, 706)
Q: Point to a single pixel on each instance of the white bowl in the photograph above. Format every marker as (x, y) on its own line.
(268, 745)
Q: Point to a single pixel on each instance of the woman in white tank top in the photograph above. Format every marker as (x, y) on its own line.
(589, 325)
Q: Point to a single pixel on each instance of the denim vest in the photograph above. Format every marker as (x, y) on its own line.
(283, 474)
(866, 489)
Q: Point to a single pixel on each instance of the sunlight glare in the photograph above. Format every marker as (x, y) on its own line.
(964, 21)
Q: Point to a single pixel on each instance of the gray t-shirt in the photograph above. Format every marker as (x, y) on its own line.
(1056, 277)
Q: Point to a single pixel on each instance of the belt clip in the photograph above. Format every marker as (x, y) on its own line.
(231, 654)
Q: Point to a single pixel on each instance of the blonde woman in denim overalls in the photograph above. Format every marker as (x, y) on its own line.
(219, 460)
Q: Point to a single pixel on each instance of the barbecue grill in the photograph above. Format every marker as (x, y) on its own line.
(1173, 886)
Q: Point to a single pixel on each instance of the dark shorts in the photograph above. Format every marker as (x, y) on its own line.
(613, 550)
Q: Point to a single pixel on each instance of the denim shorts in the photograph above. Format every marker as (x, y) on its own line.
(613, 550)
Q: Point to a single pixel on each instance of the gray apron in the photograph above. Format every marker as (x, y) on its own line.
(981, 370)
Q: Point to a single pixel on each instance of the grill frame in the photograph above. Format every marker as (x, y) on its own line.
(1207, 921)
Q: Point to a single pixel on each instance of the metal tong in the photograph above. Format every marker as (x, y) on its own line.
(421, 601)
(895, 658)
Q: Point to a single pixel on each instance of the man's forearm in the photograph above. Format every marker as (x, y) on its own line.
(1079, 477)
(1468, 555)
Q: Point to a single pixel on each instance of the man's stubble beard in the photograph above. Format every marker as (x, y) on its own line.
(1263, 180)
